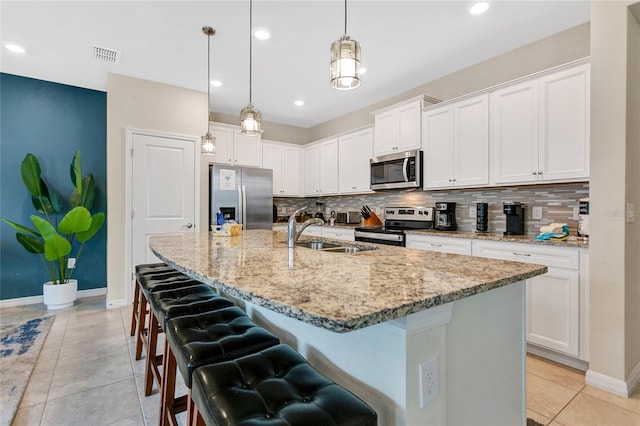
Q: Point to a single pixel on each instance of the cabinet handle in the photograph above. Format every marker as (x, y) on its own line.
(454, 179)
(534, 173)
(435, 245)
(522, 254)
(540, 172)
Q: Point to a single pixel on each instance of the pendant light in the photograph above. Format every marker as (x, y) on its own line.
(208, 142)
(250, 117)
(345, 60)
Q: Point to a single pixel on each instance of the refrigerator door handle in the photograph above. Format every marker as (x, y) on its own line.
(243, 207)
(240, 214)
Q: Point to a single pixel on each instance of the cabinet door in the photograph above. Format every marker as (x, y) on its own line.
(247, 150)
(354, 152)
(312, 170)
(514, 133)
(437, 126)
(291, 176)
(329, 167)
(564, 124)
(409, 127)
(272, 159)
(385, 133)
(553, 311)
(224, 144)
(471, 142)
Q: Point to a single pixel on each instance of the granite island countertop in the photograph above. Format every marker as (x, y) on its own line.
(337, 291)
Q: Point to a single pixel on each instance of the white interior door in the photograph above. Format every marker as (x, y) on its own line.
(164, 190)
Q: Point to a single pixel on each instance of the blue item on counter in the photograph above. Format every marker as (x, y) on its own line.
(219, 218)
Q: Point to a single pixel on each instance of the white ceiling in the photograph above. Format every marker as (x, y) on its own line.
(404, 44)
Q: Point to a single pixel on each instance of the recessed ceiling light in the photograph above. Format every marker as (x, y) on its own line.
(216, 83)
(262, 34)
(14, 48)
(479, 8)
(299, 103)
(363, 70)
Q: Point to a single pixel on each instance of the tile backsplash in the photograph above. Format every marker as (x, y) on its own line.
(557, 201)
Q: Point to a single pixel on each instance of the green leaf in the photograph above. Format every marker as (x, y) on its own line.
(88, 193)
(19, 228)
(75, 170)
(30, 243)
(30, 172)
(56, 247)
(76, 220)
(96, 223)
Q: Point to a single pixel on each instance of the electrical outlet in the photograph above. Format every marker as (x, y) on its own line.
(536, 212)
(71, 262)
(576, 213)
(473, 211)
(428, 373)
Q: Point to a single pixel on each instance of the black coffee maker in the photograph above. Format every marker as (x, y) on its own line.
(446, 216)
(515, 218)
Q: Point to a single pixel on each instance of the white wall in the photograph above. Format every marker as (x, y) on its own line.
(140, 104)
(614, 271)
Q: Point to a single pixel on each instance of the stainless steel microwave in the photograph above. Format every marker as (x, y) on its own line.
(397, 170)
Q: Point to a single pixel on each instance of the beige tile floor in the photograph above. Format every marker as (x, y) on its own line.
(86, 375)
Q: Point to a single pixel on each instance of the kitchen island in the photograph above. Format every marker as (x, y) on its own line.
(369, 320)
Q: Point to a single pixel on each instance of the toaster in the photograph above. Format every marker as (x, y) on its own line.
(348, 217)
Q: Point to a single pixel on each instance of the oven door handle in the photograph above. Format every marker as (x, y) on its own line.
(378, 236)
(405, 169)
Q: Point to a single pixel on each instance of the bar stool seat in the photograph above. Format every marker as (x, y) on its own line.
(208, 338)
(167, 304)
(143, 273)
(274, 387)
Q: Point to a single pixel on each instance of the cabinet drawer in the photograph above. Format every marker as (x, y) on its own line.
(529, 253)
(338, 234)
(439, 244)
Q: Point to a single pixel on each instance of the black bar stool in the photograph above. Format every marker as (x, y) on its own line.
(276, 387)
(208, 338)
(167, 304)
(143, 273)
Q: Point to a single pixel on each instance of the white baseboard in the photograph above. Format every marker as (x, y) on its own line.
(116, 303)
(33, 300)
(613, 385)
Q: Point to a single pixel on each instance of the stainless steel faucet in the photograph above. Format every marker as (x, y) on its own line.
(292, 233)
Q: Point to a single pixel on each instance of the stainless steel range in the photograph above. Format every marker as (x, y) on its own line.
(396, 221)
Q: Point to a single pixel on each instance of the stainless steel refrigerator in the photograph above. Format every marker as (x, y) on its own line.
(244, 194)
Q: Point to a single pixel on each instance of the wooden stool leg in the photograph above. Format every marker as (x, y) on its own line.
(153, 360)
(142, 324)
(193, 415)
(168, 388)
(134, 313)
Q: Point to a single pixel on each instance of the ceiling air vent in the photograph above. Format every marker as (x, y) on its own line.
(104, 54)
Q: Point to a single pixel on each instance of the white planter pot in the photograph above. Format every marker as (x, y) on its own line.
(60, 296)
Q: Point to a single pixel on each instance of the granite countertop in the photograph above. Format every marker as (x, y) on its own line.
(337, 291)
(572, 241)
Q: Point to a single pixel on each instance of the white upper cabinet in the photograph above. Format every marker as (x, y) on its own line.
(321, 168)
(456, 144)
(564, 124)
(236, 149)
(398, 128)
(286, 162)
(354, 152)
(540, 129)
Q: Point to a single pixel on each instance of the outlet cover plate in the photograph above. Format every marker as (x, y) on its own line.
(428, 373)
(536, 212)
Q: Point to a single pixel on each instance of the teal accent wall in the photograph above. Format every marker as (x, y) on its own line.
(51, 121)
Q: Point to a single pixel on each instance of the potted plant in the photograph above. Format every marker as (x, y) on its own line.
(54, 236)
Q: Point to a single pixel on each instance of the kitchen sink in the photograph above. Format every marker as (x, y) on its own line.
(334, 247)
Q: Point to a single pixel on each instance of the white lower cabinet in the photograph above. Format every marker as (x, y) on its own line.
(556, 301)
(439, 244)
(345, 234)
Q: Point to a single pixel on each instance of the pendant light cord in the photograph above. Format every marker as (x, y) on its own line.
(250, 49)
(345, 17)
(208, 79)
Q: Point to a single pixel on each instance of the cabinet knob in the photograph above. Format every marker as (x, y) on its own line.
(540, 172)
(534, 173)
